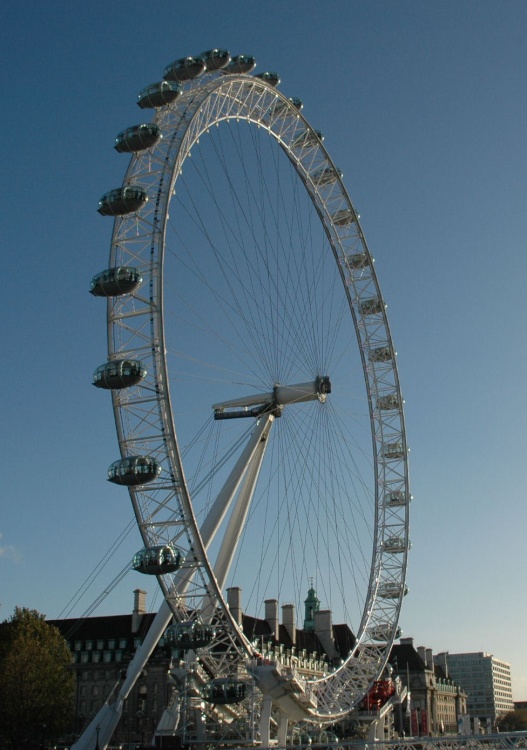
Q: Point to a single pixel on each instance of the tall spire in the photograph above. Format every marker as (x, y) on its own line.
(312, 605)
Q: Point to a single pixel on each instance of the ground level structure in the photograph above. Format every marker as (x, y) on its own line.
(430, 702)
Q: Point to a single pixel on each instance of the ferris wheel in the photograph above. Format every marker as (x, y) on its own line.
(254, 384)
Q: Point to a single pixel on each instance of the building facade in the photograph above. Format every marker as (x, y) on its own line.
(436, 701)
(102, 648)
(485, 679)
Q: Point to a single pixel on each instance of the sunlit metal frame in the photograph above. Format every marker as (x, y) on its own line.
(143, 413)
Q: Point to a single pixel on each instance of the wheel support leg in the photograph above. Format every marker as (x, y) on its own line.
(282, 729)
(265, 721)
(100, 730)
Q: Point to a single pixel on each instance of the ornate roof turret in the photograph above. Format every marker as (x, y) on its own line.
(312, 605)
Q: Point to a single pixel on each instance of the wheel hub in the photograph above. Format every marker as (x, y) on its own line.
(273, 402)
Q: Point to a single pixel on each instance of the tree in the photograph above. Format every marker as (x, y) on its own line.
(514, 721)
(37, 684)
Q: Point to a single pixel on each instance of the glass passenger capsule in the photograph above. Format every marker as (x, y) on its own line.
(381, 354)
(307, 138)
(137, 138)
(326, 176)
(216, 59)
(115, 281)
(371, 306)
(393, 450)
(390, 401)
(357, 260)
(158, 94)
(383, 632)
(392, 590)
(343, 217)
(189, 635)
(224, 691)
(326, 738)
(300, 738)
(185, 69)
(282, 107)
(394, 544)
(396, 498)
(241, 64)
(157, 560)
(133, 471)
(123, 200)
(273, 79)
(119, 373)
(297, 103)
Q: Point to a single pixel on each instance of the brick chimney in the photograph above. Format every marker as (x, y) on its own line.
(289, 621)
(429, 659)
(234, 600)
(442, 660)
(271, 616)
(324, 632)
(139, 609)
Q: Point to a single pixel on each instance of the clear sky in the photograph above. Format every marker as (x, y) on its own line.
(424, 107)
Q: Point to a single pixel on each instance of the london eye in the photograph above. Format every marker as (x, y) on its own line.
(256, 394)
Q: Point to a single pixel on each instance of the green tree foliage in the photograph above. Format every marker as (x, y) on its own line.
(37, 684)
(514, 721)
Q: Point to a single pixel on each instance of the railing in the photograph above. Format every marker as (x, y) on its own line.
(501, 741)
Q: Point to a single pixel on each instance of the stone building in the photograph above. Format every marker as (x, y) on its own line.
(102, 648)
(436, 702)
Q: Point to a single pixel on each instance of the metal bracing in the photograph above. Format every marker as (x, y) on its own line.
(308, 296)
(501, 741)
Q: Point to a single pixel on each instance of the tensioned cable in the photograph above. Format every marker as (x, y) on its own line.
(102, 596)
(310, 311)
(91, 578)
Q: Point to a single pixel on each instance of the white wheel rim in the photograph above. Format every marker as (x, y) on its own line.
(167, 509)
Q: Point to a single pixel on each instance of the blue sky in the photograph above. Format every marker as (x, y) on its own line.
(424, 107)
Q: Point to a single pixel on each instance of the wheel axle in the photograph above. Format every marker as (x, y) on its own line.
(273, 402)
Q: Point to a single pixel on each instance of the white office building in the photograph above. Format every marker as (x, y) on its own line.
(486, 681)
